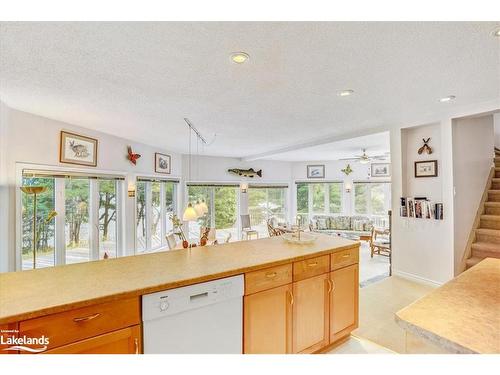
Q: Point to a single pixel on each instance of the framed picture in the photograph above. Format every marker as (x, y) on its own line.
(77, 149)
(162, 163)
(428, 168)
(315, 171)
(381, 170)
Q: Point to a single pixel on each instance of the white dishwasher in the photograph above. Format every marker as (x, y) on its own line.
(196, 319)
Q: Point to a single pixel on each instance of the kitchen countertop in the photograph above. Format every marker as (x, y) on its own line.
(463, 315)
(29, 294)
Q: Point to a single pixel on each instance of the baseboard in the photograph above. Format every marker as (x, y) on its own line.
(418, 279)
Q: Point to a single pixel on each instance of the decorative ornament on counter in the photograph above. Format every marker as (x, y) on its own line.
(246, 172)
(347, 170)
(425, 147)
(132, 156)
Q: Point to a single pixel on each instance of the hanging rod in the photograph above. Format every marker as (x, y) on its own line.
(198, 134)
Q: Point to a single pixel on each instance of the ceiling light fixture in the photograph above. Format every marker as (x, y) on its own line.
(239, 57)
(346, 93)
(447, 99)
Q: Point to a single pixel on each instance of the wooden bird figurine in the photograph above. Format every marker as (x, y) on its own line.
(131, 156)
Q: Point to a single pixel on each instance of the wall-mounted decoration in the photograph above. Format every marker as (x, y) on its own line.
(347, 170)
(132, 156)
(246, 172)
(77, 149)
(425, 148)
(162, 163)
(315, 171)
(426, 168)
(380, 170)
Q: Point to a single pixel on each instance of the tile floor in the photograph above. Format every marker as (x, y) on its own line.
(356, 345)
(378, 302)
(371, 269)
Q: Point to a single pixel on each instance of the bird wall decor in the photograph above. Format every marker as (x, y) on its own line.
(425, 147)
(132, 156)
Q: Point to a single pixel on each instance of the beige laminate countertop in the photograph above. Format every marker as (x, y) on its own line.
(29, 294)
(463, 315)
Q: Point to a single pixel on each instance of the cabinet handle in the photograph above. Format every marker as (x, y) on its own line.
(333, 286)
(314, 264)
(346, 255)
(86, 318)
(330, 285)
(270, 275)
(136, 345)
(291, 297)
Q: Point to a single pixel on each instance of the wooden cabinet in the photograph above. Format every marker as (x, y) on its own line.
(267, 327)
(123, 341)
(268, 278)
(344, 301)
(311, 314)
(8, 331)
(78, 324)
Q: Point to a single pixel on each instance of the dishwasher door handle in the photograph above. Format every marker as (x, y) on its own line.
(197, 297)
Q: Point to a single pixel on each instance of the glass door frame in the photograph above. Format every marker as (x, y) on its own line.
(60, 208)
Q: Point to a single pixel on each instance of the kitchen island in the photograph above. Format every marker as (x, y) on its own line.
(77, 303)
(463, 315)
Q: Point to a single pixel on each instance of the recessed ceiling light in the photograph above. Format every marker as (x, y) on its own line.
(239, 57)
(496, 33)
(346, 92)
(448, 98)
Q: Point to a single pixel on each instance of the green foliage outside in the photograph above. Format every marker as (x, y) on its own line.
(335, 198)
(77, 208)
(225, 205)
(303, 198)
(45, 204)
(360, 198)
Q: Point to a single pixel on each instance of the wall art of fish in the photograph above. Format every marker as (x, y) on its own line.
(246, 172)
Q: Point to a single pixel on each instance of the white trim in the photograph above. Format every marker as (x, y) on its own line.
(418, 279)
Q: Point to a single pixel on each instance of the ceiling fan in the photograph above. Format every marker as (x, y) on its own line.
(364, 158)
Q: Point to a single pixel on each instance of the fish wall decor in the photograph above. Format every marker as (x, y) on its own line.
(246, 172)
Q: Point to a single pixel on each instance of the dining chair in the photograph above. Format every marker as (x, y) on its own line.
(379, 242)
(246, 228)
(171, 241)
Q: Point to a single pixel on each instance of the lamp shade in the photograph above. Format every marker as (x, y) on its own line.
(189, 213)
(198, 208)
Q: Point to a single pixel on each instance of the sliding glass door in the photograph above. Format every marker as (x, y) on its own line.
(77, 219)
(222, 202)
(155, 204)
(266, 203)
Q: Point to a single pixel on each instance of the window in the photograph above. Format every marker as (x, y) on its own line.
(374, 200)
(266, 203)
(155, 203)
(222, 202)
(85, 227)
(323, 198)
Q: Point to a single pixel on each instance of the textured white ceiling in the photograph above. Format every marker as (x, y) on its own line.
(139, 79)
(375, 144)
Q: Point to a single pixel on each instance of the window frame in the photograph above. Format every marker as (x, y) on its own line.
(368, 195)
(326, 198)
(148, 214)
(59, 207)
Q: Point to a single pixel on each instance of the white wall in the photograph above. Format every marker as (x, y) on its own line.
(422, 249)
(28, 138)
(4, 201)
(496, 120)
(473, 142)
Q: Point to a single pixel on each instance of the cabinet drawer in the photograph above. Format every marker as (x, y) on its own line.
(311, 267)
(344, 258)
(268, 278)
(123, 341)
(78, 324)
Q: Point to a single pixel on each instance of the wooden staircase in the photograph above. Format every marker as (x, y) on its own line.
(484, 241)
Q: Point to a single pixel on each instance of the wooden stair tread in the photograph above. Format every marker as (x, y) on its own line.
(494, 191)
(492, 204)
(473, 261)
(486, 246)
(490, 217)
(488, 232)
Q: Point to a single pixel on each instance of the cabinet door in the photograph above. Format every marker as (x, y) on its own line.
(267, 321)
(344, 302)
(311, 314)
(123, 341)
